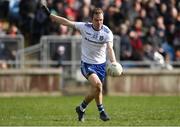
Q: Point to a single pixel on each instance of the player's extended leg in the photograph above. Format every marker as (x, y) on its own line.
(81, 109)
(98, 95)
(88, 98)
(96, 88)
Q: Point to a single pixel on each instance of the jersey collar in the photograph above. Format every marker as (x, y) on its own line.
(95, 29)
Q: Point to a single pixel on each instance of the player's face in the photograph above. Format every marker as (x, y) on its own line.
(97, 21)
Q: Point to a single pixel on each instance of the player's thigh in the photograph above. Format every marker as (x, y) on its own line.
(94, 80)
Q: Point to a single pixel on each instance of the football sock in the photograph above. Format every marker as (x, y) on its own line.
(83, 106)
(100, 108)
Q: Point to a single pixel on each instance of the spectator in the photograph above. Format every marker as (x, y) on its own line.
(119, 16)
(113, 17)
(169, 52)
(84, 14)
(151, 47)
(40, 26)
(63, 30)
(2, 32)
(3, 64)
(177, 55)
(13, 30)
(148, 52)
(138, 28)
(176, 39)
(125, 44)
(104, 4)
(152, 11)
(163, 11)
(4, 8)
(5, 55)
(59, 55)
(59, 7)
(27, 11)
(172, 16)
(14, 16)
(134, 12)
(152, 39)
(70, 11)
(137, 46)
(161, 28)
(125, 8)
(170, 33)
(145, 19)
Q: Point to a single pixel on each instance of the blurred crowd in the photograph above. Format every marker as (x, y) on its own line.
(149, 29)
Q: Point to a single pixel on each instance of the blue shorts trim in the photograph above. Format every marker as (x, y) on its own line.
(99, 69)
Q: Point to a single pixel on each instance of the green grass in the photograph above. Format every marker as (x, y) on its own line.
(60, 110)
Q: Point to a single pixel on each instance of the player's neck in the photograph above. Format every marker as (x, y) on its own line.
(96, 29)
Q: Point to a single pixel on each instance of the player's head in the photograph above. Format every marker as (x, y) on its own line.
(97, 18)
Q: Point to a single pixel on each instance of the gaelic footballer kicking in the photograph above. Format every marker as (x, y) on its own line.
(97, 41)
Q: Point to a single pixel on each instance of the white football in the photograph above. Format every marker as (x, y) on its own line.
(114, 69)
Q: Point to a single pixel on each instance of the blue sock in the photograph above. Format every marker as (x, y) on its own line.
(100, 108)
(83, 106)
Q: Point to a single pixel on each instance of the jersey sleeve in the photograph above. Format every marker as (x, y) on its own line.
(79, 26)
(109, 37)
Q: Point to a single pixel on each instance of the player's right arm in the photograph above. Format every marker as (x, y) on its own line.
(58, 19)
(62, 20)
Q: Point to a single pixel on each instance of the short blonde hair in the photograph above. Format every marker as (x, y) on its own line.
(97, 11)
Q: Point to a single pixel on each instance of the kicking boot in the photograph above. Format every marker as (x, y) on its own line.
(104, 116)
(80, 114)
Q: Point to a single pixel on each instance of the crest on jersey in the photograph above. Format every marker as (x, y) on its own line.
(101, 38)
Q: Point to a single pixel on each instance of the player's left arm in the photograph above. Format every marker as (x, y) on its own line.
(110, 51)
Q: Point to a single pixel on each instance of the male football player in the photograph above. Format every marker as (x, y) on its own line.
(97, 39)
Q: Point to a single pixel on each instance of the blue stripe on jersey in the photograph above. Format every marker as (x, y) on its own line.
(105, 29)
(102, 42)
(88, 24)
(99, 69)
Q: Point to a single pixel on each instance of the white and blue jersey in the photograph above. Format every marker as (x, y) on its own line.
(94, 45)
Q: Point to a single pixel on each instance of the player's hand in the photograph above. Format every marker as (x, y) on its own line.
(45, 10)
(114, 62)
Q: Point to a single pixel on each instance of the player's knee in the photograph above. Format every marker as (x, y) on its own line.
(98, 88)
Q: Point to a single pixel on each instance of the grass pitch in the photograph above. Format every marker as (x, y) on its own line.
(60, 111)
